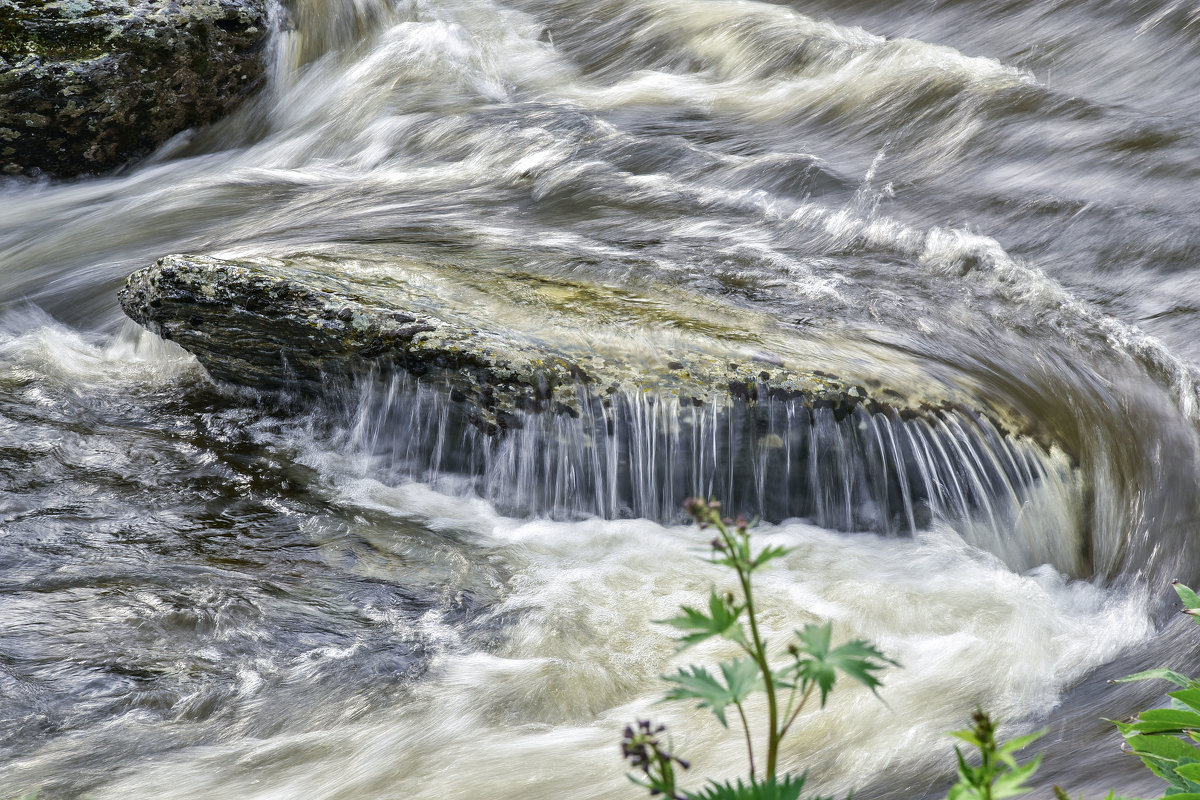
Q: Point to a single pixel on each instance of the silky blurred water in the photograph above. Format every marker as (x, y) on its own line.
(211, 592)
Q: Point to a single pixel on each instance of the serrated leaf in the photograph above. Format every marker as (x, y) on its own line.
(1184, 717)
(788, 787)
(768, 554)
(819, 663)
(967, 736)
(815, 640)
(741, 676)
(1011, 783)
(1021, 742)
(1007, 750)
(723, 619)
(697, 683)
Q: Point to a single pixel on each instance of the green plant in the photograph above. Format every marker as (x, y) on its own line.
(813, 666)
(644, 752)
(1165, 739)
(998, 774)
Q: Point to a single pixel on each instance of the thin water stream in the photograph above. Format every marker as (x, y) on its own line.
(211, 592)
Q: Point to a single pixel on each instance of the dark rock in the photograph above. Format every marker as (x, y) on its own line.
(508, 421)
(501, 344)
(87, 85)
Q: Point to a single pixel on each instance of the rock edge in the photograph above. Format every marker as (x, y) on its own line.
(275, 324)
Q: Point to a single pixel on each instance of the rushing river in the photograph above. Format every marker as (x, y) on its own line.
(211, 593)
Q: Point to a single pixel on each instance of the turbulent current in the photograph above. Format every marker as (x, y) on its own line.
(208, 591)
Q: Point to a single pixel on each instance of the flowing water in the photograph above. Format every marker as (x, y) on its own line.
(209, 592)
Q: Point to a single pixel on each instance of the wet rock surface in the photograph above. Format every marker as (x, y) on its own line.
(560, 395)
(500, 346)
(87, 85)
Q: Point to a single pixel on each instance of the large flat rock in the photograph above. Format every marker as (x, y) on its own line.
(497, 342)
(560, 395)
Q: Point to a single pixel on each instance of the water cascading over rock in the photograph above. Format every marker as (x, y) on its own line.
(568, 397)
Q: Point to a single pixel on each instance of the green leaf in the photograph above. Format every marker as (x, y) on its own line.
(1163, 747)
(723, 619)
(1010, 784)
(1184, 717)
(1007, 750)
(818, 662)
(1161, 753)
(741, 676)
(769, 553)
(1186, 698)
(967, 736)
(697, 683)
(812, 666)
(1185, 774)
(1163, 720)
(1160, 673)
(1149, 728)
(1190, 601)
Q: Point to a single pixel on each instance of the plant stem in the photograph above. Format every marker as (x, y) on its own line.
(792, 718)
(760, 655)
(986, 789)
(749, 741)
(668, 777)
(787, 709)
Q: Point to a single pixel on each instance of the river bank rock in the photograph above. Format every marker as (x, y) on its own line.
(86, 85)
(500, 344)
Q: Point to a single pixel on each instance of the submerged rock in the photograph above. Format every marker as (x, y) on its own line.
(500, 344)
(86, 85)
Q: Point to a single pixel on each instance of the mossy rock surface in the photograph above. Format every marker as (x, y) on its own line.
(87, 85)
(500, 343)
